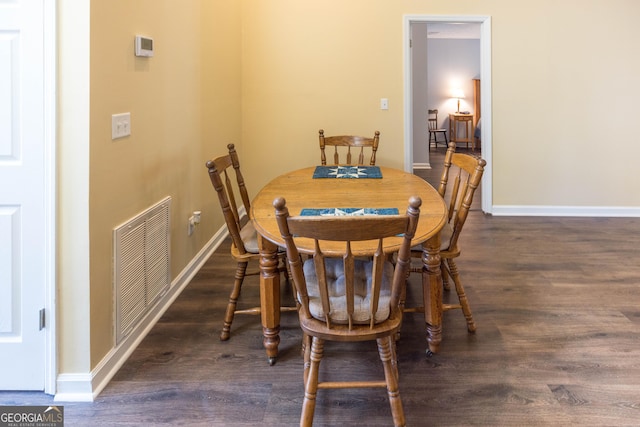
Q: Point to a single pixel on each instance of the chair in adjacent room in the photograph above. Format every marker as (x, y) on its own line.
(434, 130)
(458, 191)
(348, 291)
(357, 143)
(244, 245)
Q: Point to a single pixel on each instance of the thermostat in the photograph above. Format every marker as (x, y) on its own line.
(144, 46)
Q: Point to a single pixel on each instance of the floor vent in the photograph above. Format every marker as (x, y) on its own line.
(141, 265)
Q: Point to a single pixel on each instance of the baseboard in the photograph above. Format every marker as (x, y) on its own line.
(85, 387)
(74, 388)
(422, 166)
(577, 211)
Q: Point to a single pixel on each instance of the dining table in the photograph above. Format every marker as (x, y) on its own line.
(346, 190)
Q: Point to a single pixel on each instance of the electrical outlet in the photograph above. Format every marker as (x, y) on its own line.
(194, 220)
(120, 125)
(192, 225)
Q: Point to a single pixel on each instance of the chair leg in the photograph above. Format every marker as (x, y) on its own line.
(311, 383)
(241, 269)
(462, 297)
(306, 355)
(387, 356)
(444, 271)
(446, 142)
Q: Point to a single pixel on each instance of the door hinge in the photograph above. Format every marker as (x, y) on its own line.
(42, 319)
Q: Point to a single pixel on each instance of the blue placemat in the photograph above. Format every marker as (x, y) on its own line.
(348, 211)
(347, 172)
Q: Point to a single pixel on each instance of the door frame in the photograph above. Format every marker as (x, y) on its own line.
(485, 89)
(50, 194)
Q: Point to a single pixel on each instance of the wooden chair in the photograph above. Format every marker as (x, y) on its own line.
(467, 171)
(349, 141)
(348, 294)
(244, 246)
(434, 130)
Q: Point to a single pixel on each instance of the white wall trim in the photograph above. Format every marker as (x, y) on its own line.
(74, 388)
(85, 387)
(422, 166)
(50, 195)
(577, 211)
(486, 131)
(408, 98)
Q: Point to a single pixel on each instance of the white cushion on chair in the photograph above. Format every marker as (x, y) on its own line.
(249, 237)
(335, 277)
(445, 237)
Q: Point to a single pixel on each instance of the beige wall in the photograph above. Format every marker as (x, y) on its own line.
(312, 65)
(564, 76)
(185, 107)
(268, 74)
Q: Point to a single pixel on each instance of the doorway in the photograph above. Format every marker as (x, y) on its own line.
(413, 111)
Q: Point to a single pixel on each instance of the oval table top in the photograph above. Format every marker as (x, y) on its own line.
(393, 190)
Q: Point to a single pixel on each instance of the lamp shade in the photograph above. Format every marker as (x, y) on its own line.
(457, 93)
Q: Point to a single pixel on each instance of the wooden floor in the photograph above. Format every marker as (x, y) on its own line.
(556, 302)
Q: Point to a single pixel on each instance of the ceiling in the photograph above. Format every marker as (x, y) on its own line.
(453, 30)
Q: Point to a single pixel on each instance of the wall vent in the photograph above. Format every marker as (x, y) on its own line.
(141, 265)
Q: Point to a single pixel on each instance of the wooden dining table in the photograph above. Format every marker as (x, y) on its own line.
(392, 189)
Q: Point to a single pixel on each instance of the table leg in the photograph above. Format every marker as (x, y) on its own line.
(473, 136)
(269, 298)
(432, 292)
(452, 130)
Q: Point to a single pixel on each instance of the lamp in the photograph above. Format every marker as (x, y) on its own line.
(457, 93)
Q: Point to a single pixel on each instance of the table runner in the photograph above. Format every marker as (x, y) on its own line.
(348, 211)
(347, 172)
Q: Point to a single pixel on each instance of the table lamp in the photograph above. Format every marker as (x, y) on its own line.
(457, 93)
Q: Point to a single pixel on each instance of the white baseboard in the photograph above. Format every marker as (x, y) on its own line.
(422, 166)
(85, 387)
(74, 388)
(577, 211)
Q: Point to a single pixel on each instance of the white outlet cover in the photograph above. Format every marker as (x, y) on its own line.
(120, 125)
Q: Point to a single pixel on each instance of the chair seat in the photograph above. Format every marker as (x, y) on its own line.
(445, 238)
(249, 237)
(362, 302)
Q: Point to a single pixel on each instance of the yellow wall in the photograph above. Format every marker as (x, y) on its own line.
(185, 107)
(267, 75)
(313, 65)
(564, 78)
(184, 104)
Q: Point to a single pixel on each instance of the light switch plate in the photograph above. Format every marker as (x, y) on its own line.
(120, 125)
(384, 104)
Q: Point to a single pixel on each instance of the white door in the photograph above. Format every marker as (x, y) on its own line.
(22, 195)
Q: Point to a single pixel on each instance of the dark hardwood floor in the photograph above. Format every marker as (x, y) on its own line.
(557, 306)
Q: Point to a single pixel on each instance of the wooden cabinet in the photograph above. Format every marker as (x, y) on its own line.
(464, 121)
(476, 102)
